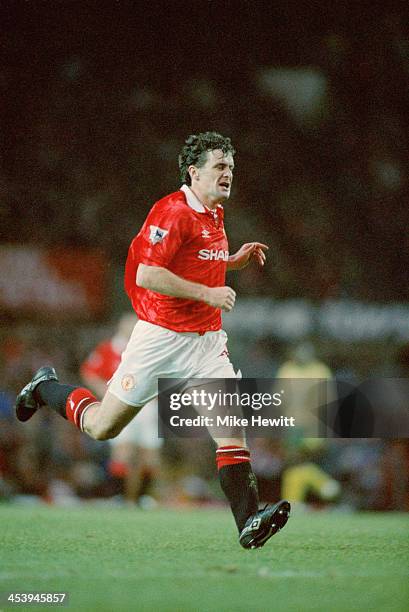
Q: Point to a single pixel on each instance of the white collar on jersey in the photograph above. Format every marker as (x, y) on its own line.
(192, 200)
(195, 203)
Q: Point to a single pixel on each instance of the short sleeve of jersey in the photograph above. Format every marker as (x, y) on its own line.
(162, 235)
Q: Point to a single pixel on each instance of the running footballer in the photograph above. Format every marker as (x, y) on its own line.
(175, 279)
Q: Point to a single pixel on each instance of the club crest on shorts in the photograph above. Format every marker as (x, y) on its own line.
(157, 234)
(128, 382)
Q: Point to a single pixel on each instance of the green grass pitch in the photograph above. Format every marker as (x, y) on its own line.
(118, 559)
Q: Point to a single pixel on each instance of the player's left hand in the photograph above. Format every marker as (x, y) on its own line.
(250, 250)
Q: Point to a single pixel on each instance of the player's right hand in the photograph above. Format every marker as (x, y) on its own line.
(221, 297)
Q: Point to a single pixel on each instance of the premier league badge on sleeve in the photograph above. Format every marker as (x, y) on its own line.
(157, 234)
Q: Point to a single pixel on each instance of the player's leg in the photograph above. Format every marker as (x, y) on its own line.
(105, 420)
(240, 487)
(236, 476)
(237, 479)
(132, 386)
(100, 420)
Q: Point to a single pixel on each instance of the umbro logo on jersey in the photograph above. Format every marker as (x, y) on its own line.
(205, 233)
(157, 234)
(213, 254)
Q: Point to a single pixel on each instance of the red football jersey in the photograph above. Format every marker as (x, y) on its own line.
(188, 239)
(104, 359)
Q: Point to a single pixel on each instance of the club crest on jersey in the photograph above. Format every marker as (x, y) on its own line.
(157, 234)
(128, 382)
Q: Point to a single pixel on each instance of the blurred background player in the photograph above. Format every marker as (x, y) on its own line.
(303, 478)
(135, 451)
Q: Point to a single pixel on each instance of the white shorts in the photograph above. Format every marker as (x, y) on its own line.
(142, 430)
(156, 352)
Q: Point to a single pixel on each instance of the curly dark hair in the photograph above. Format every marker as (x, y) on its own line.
(195, 149)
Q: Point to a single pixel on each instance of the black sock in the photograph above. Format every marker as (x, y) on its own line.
(240, 487)
(53, 394)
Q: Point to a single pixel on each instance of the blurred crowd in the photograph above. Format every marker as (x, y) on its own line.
(94, 123)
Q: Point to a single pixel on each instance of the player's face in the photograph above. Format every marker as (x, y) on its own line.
(212, 181)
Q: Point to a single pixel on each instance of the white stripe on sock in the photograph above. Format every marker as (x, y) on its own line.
(233, 450)
(84, 399)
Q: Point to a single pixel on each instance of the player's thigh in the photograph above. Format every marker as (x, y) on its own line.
(153, 352)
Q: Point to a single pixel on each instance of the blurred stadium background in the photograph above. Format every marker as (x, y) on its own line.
(98, 98)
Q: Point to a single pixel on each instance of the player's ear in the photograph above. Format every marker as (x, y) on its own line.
(194, 172)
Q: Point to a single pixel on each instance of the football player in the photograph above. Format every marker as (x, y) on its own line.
(175, 279)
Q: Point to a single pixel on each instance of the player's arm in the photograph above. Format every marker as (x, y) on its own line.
(250, 250)
(163, 281)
